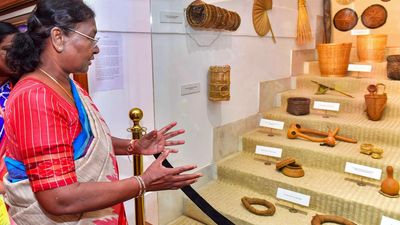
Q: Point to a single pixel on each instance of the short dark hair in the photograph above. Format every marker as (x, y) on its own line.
(7, 29)
(24, 55)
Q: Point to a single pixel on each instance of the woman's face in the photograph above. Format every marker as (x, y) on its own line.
(82, 46)
(4, 46)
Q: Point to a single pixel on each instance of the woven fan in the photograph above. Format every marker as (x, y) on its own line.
(261, 21)
(344, 2)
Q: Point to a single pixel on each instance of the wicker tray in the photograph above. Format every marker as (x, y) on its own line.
(374, 16)
(345, 19)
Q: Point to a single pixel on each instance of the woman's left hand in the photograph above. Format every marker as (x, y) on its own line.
(156, 141)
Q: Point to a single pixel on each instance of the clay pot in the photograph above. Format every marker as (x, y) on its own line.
(390, 186)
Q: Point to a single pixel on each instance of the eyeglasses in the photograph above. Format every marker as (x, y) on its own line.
(94, 40)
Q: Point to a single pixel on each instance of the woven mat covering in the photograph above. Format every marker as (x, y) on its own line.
(184, 220)
(329, 191)
(226, 198)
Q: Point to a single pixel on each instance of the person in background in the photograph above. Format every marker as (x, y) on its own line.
(61, 157)
(7, 33)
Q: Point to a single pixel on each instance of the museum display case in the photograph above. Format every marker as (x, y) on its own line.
(310, 137)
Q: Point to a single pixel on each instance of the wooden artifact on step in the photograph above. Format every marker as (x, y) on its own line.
(370, 149)
(298, 106)
(393, 67)
(296, 131)
(322, 89)
(390, 186)
(290, 168)
(375, 101)
(248, 202)
(334, 59)
(371, 48)
(320, 219)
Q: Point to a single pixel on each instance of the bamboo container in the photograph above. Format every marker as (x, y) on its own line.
(371, 48)
(219, 83)
(334, 59)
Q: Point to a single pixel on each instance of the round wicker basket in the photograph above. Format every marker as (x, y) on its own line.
(371, 48)
(334, 58)
(219, 83)
(393, 67)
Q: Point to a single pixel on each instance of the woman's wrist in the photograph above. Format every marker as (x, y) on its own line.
(131, 147)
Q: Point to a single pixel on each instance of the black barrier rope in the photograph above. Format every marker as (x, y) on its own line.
(217, 217)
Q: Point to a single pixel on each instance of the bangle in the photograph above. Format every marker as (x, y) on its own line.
(140, 187)
(131, 146)
(143, 184)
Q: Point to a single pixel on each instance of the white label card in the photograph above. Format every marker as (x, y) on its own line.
(269, 151)
(171, 17)
(389, 221)
(360, 32)
(360, 68)
(331, 106)
(272, 124)
(364, 171)
(294, 197)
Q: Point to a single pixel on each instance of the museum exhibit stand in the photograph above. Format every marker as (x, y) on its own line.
(332, 190)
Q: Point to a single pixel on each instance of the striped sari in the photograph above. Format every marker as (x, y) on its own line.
(95, 161)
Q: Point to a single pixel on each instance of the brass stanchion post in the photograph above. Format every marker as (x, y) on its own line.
(137, 131)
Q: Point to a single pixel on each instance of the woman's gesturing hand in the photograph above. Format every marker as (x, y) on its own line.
(157, 177)
(156, 141)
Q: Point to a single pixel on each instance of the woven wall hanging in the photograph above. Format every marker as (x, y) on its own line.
(261, 22)
(374, 16)
(345, 19)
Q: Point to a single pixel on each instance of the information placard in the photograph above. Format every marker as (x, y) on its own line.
(389, 221)
(272, 124)
(330, 106)
(269, 151)
(294, 197)
(362, 170)
(360, 68)
(356, 32)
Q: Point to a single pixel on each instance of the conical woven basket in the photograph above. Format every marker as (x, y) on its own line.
(371, 48)
(334, 58)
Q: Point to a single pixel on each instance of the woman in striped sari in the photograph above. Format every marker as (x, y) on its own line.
(61, 156)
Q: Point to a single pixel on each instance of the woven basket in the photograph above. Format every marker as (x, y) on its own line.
(393, 67)
(375, 102)
(298, 106)
(334, 59)
(371, 48)
(219, 83)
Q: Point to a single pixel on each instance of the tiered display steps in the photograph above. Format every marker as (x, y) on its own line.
(332, 190)
(184, 220)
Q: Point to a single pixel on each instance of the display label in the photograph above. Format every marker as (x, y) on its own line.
(364, 171)
(272, 124)
(269, 151)
(171, 17)
(4, 219)
(360, 32)
(360, 68)
(389, 221)
(294, 197)
(331, 106)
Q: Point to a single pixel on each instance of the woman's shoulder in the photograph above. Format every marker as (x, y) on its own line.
(29, 89)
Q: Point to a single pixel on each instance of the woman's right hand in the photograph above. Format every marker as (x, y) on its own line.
(157, 177)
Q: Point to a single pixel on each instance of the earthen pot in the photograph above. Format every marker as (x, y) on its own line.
(390, 186)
